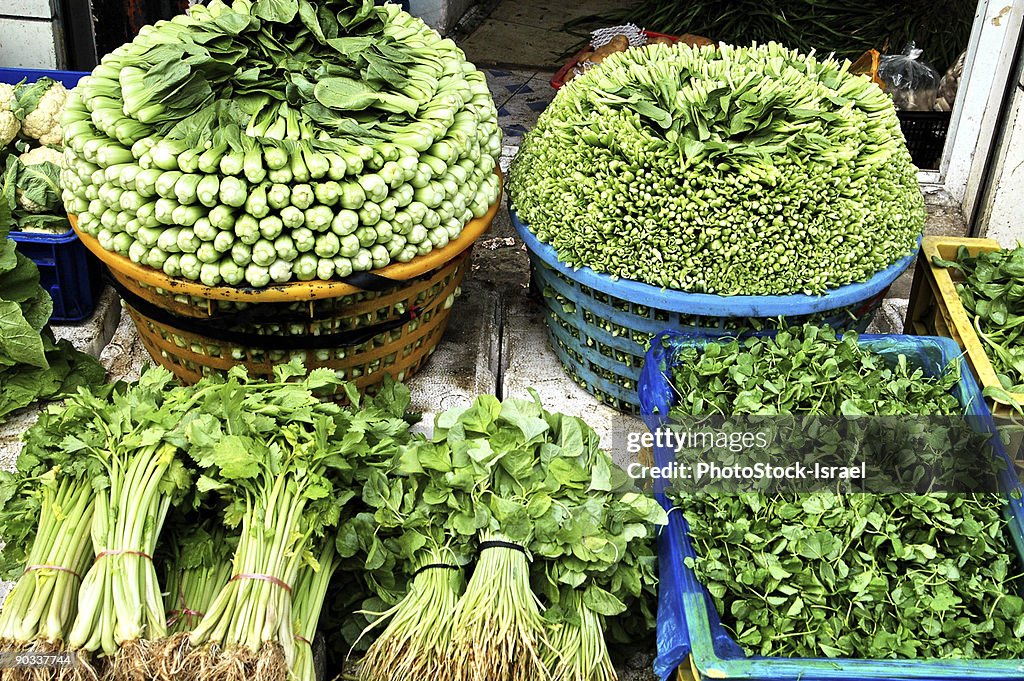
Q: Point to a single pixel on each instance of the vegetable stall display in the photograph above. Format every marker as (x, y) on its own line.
(559, 539)
(508, 545)
(729, 171)
(264, 468)
(280, 140)
(826, 575)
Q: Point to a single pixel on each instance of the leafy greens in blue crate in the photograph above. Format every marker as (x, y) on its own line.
(33, 366)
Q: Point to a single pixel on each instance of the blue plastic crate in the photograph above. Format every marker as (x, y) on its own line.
(67, 78)
(688, 623)
(66, 269)
(600, 327)
(68, 272)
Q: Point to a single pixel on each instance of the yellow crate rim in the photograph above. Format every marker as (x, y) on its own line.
(293, 291)
(945, 248)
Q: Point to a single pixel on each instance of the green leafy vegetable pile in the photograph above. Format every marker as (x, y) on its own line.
(734, 171)
(992, 291)
(30, 154)
(861, 575)
(280, 140)
(261, 472)
(33, 366)
(186, 533)
(559, 539)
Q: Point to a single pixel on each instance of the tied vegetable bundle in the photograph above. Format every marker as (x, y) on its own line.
(558, 539)
(280, 140)
(821, 574)
(733, 171)
(254, 476)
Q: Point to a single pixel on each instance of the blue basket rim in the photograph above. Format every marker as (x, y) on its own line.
(43, 237)
(710, 305)
(14, 75)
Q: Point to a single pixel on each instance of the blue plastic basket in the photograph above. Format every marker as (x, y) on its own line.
(688, 623)
(67, 270)
(600, 327)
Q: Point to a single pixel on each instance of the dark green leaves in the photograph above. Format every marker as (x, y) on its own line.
(991, 288)
(32, 366)
(858, 575)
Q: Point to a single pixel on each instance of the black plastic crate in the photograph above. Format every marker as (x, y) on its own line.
(925, 132)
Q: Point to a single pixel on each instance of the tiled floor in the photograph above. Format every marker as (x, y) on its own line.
(532, 33)
(521, 96)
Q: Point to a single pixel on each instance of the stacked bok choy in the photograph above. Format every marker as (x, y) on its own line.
(280, 140)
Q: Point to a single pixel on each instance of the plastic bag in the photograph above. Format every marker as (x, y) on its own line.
(949, 84)
(913, 83)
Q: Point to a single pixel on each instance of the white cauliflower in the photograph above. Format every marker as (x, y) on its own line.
(39, 187)
(42, 155)
(9, 123)
(42, 116)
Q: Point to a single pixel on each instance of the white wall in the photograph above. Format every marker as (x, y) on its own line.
(1002, 214)
(31, 35)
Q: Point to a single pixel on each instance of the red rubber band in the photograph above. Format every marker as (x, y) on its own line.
(58, 568)
(304, 640)
(183, 610)
(122, 552)
(263, 578)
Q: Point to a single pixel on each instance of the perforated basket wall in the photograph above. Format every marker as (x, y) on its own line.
(392, 331)
(600, 327)
(601, 339)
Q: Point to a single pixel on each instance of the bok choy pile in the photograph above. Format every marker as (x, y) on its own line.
(280, 140)
(734, 171)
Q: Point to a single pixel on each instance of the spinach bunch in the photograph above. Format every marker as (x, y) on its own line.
(992, 292)
(33, 366)
(559, 539)
(864, 575)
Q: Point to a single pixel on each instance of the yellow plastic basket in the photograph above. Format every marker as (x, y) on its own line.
(388, 328)
(935, 308)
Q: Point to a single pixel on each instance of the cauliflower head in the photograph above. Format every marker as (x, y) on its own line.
(42, 155)
(9, 123)
(39, 187)
(40, 106)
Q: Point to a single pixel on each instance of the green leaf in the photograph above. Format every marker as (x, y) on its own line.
(19, 342)
(602, 602)
(278, 11)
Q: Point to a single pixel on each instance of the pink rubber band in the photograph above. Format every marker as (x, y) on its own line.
(304, 640)
(123, 552)
(263, 578)
(58, 568)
